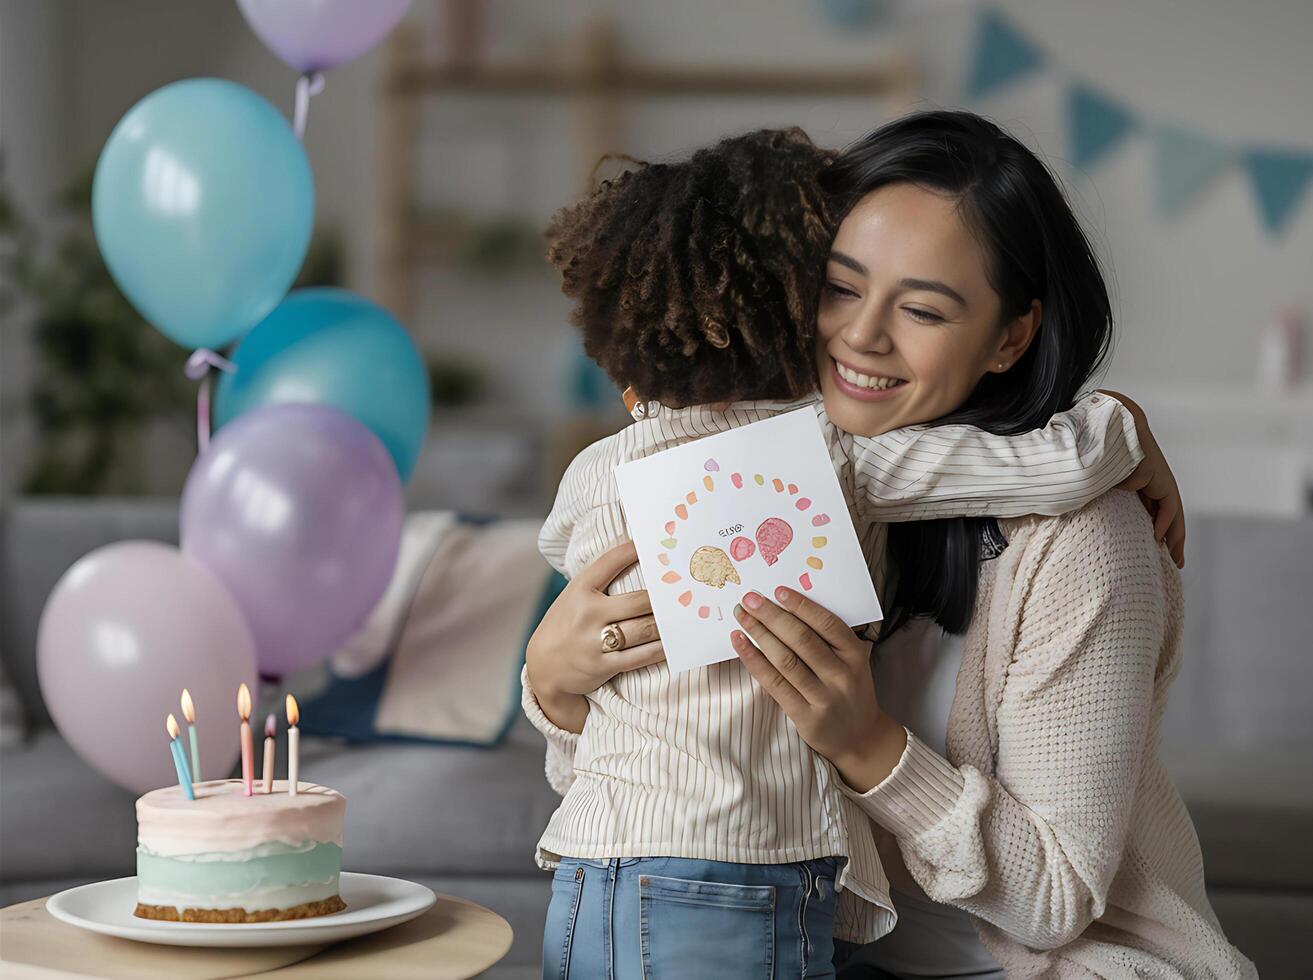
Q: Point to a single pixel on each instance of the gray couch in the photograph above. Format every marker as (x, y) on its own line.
(1239, 739)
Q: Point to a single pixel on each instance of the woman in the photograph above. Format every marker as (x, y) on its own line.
(1035, 830)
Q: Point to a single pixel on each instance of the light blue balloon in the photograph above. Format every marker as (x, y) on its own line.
(332, 347)
(203, 204)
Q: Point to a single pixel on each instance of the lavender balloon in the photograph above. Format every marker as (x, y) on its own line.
(124, 631)
(314, 35)
(297, 509)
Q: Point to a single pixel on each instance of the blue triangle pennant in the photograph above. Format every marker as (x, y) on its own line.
(1279, 178)
(1095, 124)
(1184, 164)
(1003, 54)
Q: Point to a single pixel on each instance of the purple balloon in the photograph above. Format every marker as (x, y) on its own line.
(297, 509)
(314, 35)
(124, 631)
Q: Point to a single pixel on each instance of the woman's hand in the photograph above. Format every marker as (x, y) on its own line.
(819, 672)
(565, 658)
(1154, 482)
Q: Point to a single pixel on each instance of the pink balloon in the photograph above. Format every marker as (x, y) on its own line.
(297, 509)
(314, 35)
(124, 631)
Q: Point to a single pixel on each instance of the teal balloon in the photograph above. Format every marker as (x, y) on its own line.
(332, 347)
(203, 203)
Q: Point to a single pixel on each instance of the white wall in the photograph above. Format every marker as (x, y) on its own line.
(1191, 293)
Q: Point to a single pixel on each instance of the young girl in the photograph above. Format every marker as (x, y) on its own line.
(698, 833)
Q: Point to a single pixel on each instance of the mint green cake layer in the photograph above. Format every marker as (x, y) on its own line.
(203, 876)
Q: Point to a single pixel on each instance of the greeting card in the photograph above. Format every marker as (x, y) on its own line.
(750, 509)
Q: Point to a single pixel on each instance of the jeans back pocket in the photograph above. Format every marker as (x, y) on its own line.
(706, 930)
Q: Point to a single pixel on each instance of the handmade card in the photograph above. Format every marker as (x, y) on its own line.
(750, 509)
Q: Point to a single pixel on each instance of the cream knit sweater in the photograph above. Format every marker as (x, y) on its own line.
(1053, 820)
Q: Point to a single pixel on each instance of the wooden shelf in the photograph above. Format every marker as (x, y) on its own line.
(654, 81)
(599, 80)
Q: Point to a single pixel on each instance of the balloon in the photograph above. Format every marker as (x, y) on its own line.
(203, 203)
(297, 509)
(124, 631)
(332, 347)
(314, 35)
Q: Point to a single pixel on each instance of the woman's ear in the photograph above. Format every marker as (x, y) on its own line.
(1017, 336)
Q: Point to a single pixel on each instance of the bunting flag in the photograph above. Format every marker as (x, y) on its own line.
(1279, 178)
(1184, 164)
(1095, 124)
(1003, 55)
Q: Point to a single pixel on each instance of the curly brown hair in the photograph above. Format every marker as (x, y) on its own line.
(697, 281)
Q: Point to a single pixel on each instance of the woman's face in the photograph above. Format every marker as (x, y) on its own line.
(908, 321)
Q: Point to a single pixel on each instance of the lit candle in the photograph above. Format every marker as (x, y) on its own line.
(189, 712)
(293, 744)
(179, 760)
(248, 748)
(270, 727)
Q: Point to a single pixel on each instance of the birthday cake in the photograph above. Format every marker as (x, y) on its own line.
(229, 857)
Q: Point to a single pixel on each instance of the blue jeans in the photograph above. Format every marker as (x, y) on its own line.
(659, 918)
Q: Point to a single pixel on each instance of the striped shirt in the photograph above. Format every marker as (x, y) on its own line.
(703, 764)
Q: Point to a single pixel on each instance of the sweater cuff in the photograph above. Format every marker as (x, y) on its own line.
(921, 791)
(553, 732)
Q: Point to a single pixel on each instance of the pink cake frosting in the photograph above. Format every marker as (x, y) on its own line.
(224, 818)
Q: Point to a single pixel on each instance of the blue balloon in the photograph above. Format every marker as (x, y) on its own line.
(203, 203)
(332, 347)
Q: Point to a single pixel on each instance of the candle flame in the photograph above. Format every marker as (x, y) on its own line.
(172, 725)
(188, 709)
(270, 726)
(293, 713)
(244, 702)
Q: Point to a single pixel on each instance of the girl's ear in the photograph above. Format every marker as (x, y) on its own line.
(1017, 336)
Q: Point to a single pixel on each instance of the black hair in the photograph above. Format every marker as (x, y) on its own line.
(1035, 249)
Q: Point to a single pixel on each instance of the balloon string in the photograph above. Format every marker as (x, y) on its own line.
(307, 86)
(198, 368)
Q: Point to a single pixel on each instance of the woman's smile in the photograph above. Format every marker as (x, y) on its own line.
(864, 385)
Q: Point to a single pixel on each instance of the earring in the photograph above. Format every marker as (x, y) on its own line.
(1000, 365)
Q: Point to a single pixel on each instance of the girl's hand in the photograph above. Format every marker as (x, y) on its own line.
(819, 672)
(565, 659)
(1154, 482)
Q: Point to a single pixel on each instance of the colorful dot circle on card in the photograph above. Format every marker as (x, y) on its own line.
(803, 503)
(805, 581)
(793, 488)
(670, 527)
(709, 483)
(669, 543)
(820, 541)
(670, 578)
(704, 611)
(663, 558)
(685, 598)
(815, 563)
(737, 480)
(692, 497)
(681, 512)
(711, 466)
(778, 484)
(761, 480)
(820, 520)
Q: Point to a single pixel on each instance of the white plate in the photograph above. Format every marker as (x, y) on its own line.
(373, 902)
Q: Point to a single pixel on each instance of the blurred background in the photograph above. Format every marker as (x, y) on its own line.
(1182, 130)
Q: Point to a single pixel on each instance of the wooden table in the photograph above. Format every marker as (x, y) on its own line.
(454, 939)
